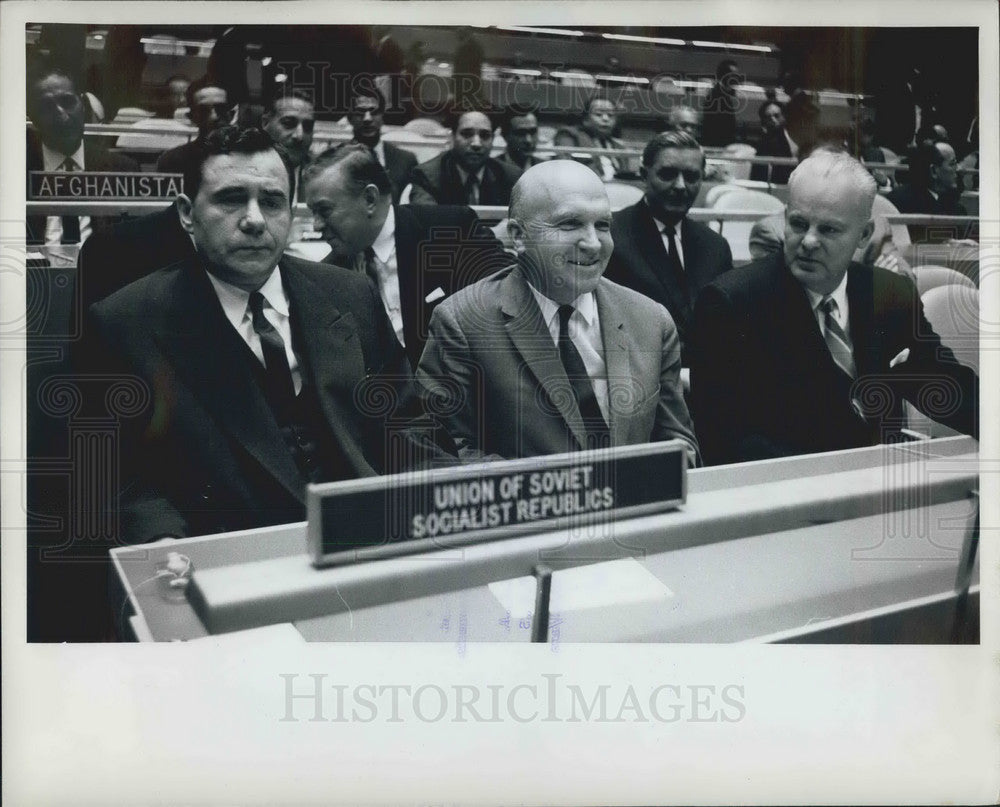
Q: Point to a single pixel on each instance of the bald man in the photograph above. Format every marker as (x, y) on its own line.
(547, 355)
(807, 351)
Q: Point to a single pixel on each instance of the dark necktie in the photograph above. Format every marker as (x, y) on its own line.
(675, 268)
(70, 224)
(280, 388)
(583, 390)
(838, 341)
(472, 190)
(367, 262)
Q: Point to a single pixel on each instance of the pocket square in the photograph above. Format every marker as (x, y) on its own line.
(902, 356)
(437, 294)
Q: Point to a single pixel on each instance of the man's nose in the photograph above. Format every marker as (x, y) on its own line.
(810, 240)
(589, 239)
(367, 116)
(253, 217)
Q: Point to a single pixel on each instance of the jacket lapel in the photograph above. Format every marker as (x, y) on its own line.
(412, 304)
(333, 355)
(211, 358)
(616, 363)
(532, 340)
(860, 301)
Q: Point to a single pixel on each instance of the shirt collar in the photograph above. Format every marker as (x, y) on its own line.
(52, 160)
(585, 305)
(379, 149)
(385, 242)
(839, 295)
(662, 225)
(465, 174)
(234, 300)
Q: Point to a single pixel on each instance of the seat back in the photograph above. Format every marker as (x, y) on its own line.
(931, 277)
(737, 233)
(621, 194)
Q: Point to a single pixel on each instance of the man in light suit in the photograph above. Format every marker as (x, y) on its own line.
(548, 356)
(366, 114)
(644, 259)
(262, 372)
(807, 351)
(416, 255)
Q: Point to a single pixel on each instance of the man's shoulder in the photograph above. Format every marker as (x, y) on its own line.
(752, 281)
(142, 296)
(510, 172)
(479, 297)
(431, 167)
(399, 153)
(629, 216)
(324, 275)
(100, 159)
(638, 305)
(701, 230)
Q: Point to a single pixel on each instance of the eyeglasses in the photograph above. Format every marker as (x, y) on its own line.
(670, 174)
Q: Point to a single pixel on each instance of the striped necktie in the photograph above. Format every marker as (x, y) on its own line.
(598, 435)
(836, 339)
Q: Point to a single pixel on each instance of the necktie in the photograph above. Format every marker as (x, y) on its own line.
(472, 190)
(675, 268)
(367, 262)
(280, 388)
(838, 341)
(583, 390)
(70, 224)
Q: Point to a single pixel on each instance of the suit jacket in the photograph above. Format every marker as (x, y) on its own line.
(775, 145)
(133, 248)
(577, 136)
(911, 199)
(176, 160)
(639, 262)
(764, 384)
(399, 163)
(96, 159)
(492, 368)
(437, 182)
(439, 250)
(205, 453)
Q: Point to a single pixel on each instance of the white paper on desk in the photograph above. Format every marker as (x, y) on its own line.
(615, 582)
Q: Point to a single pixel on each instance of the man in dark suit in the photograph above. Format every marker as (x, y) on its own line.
(365, 116)
(519, 127)
(57, 144)
(208, 109)
(416, 255)
(774, 142)
(807, 351)
(548, 356)
(290, 121)
(465, 174)
(257, 370)
(660, 252)
(932, 188)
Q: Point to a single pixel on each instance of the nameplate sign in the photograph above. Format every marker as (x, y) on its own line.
(97, 185)
(366, 519)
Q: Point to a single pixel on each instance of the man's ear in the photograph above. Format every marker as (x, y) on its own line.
(184, 206)
(371, 195)
(517, 234)
(866, 233)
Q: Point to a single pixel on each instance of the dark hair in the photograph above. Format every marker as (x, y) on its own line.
(670, 139)
(769, 103)
(233, 140)
(597, 96)
(515, 111)
(198, 85)
(281, 93)
(41, 68)
(361, 167)
(455, 113)
(363, 91)
(922, 158)
(725, 68)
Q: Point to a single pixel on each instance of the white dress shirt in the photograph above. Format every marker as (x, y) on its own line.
(236, 306)
(54, 161)
(585, 333)
(842, 314)
(666, 238)
(384, 248)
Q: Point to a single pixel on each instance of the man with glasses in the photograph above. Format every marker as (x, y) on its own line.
(365, 116)
(208, 109)
(465, 174)
(660, 252)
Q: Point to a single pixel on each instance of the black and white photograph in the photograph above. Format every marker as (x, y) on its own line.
(500, 403)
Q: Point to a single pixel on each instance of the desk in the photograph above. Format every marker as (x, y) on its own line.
(776, 550)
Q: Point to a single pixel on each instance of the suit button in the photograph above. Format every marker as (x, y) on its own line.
(206, 493)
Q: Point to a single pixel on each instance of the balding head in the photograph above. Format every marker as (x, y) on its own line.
(560, 222)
